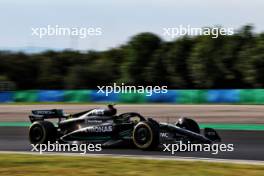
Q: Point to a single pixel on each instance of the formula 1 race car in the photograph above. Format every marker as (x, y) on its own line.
(105, 127)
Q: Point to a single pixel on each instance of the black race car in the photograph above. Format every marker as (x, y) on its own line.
(105, 127)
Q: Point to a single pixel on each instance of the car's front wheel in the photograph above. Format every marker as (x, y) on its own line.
(145, 135)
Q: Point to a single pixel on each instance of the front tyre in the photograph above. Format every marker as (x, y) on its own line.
(40, 132)
(145, 135)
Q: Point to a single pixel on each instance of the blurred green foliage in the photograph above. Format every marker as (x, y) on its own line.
(188, 62)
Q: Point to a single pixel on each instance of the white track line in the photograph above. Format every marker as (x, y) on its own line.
(156, 157)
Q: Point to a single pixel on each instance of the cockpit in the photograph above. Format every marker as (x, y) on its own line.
(111, 111)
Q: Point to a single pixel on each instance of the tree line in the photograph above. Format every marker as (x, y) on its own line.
(188, 62)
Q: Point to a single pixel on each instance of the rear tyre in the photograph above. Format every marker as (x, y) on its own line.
(40, 132)
(188, 124)
(146, 135)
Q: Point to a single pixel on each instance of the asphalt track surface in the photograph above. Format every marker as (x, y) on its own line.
(248, 145)
(244, 114)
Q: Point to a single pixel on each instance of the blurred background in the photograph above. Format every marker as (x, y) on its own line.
(188, 62)
(132, 49)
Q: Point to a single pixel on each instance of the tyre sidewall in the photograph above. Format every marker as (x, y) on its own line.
(154, 136)
(48, 132)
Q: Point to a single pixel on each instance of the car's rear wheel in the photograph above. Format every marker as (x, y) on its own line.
(145, 135)
(188, 124)
(40, 132)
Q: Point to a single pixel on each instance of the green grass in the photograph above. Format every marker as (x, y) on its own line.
(22, 164)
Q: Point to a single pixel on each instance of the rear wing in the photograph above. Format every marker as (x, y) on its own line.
(40, 115)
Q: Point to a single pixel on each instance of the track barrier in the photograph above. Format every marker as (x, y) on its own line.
(239, 96)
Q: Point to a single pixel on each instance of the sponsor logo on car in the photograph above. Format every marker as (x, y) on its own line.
(94, 121)
(98, 129)
(165, 135)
